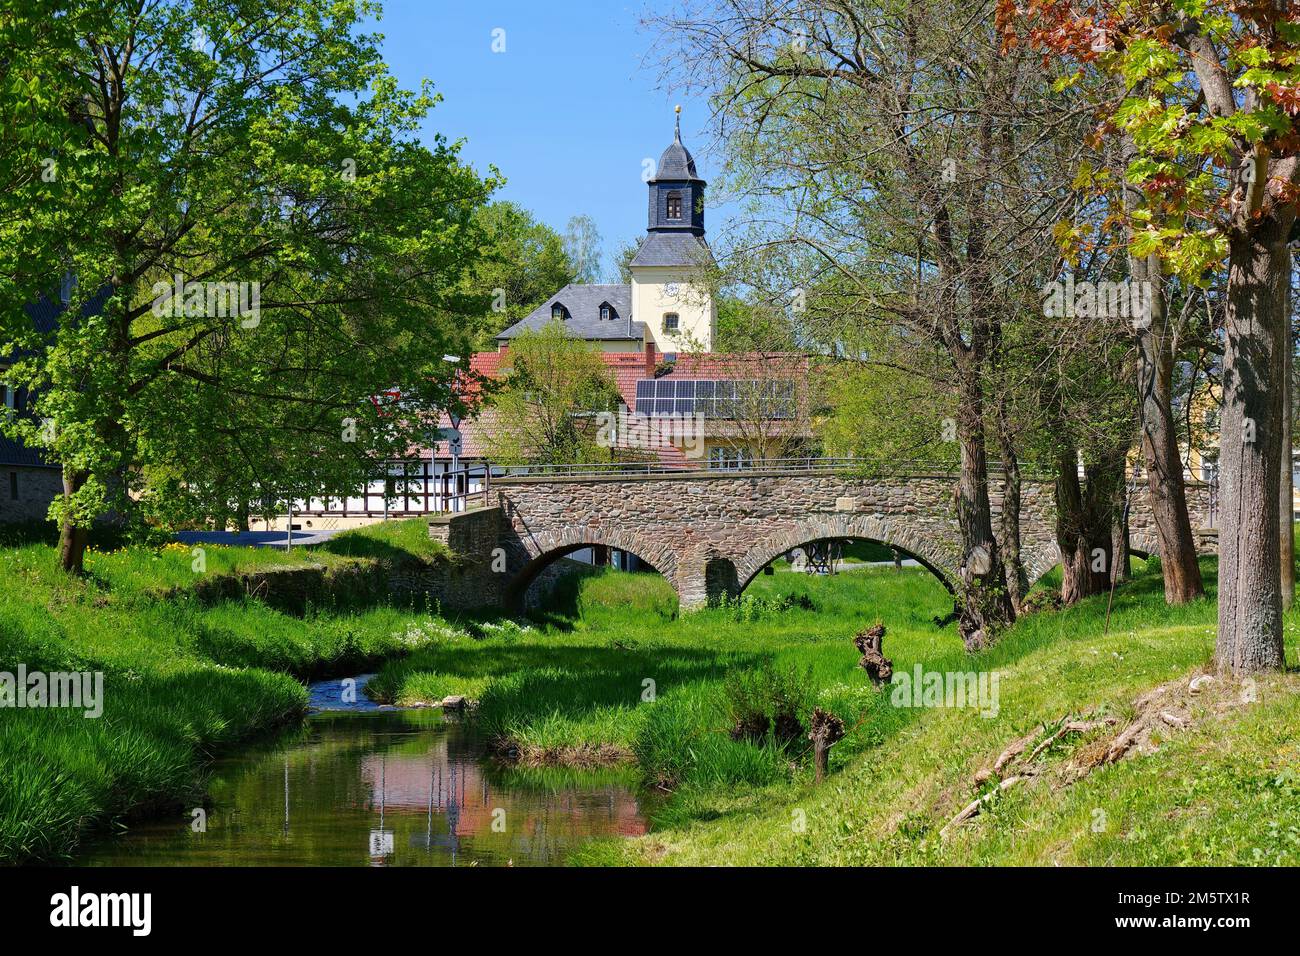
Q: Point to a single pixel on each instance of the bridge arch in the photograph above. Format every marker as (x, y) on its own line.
(898, 533)
(1042, 558)
(1039, 559)
(530, 556)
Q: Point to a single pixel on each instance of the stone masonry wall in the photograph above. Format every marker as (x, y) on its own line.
(37, 487)
(697, 527)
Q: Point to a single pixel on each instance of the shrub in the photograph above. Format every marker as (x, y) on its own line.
(764, 703)
(752, 607)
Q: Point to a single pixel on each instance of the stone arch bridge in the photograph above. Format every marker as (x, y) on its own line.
(711, 532)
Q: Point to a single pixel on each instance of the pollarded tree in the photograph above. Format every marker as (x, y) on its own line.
(240, 188)
(1209, 97)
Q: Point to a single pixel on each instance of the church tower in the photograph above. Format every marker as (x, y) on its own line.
(669, 295)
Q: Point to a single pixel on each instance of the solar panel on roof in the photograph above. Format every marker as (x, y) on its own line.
(716, 398)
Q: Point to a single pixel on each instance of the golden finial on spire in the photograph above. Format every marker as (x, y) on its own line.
(677, 133)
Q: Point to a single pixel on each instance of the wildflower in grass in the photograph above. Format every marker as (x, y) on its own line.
(506, 629)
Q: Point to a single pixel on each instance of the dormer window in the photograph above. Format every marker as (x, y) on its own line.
(558, 313)
(607, 312)
(674, 205)
(671, 321)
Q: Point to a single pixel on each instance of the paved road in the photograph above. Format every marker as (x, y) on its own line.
(257, 539)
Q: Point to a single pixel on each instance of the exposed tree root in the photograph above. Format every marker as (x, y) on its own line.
(1168, 707)
(974, 807)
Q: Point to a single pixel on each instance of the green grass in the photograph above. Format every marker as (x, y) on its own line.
(609, 673)
(182, 680)
(625, 672)
(408, 538)
(1223, 792)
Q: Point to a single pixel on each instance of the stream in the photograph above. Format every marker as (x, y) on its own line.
(360, 785)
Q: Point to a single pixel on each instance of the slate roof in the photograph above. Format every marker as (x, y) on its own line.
(583, 303)
(672, 249)
(677, 163)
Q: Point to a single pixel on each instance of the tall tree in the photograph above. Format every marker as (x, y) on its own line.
(524, 263)
(894, 148)
(1157, 342)
(239, 190)
(582, 246)
(1210, 96)
(544, 409)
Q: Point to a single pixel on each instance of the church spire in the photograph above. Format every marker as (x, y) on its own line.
(677, 191)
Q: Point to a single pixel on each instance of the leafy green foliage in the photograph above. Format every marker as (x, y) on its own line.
(544, 410)
(524, 261)
(259, 147)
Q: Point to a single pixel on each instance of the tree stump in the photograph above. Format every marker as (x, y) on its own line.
(869, 644)
(827, 730)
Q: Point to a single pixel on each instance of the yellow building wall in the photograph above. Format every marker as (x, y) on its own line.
(651, 301)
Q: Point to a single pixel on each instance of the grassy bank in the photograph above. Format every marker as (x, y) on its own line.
(182, 680)
(574, 690)
(697, 707)
(1221, 791)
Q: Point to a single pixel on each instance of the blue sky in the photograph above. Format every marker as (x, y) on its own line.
(567, 113)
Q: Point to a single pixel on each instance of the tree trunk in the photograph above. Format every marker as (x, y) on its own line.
(1285, 498)
(1017, 579)
(1121, 555)
(985, 606)
(73, 536)
(1085, 522)
(1164, 466)
(1072, 538)
(241, 515)
(1250, 602)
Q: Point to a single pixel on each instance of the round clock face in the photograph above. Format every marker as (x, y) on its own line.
(670, 290)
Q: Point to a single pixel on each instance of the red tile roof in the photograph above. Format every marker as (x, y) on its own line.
(628, 368)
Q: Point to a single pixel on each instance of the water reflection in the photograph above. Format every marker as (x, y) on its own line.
(388, 788)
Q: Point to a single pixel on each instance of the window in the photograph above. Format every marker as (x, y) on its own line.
(671, 322)
(607, 312)
(674, 205)
(722, 458)
(557, 312)
(13, 485)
